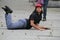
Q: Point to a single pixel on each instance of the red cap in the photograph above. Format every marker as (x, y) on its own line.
(38, 5)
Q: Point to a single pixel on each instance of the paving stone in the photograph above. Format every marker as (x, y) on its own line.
(56, 33)
(49, 38)
(23, 34)
(28, 32)
(1, 34)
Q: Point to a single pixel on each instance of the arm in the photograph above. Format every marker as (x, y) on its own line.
(35, 25)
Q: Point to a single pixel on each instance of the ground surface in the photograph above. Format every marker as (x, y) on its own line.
(53, 22)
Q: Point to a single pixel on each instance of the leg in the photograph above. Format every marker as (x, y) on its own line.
(45, 9)
(19, 24)
(10, 25)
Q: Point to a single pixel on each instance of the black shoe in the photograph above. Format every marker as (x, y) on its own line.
(7, 9)
(44, 19)
(4, 9)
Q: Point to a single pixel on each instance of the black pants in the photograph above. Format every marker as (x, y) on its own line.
(45, 8)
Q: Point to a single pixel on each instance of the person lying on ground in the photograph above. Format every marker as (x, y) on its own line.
(33, 20)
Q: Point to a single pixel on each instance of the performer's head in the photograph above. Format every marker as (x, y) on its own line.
(38, 8)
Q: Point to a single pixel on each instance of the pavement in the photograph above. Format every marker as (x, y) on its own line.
(53, 22)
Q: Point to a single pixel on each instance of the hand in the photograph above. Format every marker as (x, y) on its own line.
(42, 29)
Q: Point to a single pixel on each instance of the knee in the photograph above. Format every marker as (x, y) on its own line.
(9, 26)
